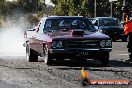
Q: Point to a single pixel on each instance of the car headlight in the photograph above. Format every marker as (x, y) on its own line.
(102, 43)
(57, 44)
(105, 43)
(108, 43)
(100, 31)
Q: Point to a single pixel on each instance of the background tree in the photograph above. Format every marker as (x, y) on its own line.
(63, 7)
(82, 7)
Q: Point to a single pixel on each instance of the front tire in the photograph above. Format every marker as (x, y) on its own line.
(47, 60)
(31, 55)
(47, 57)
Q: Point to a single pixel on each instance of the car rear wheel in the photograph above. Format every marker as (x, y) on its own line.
(31, 55)
(104, 58)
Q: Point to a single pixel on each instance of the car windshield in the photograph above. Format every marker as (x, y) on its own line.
(69, 24)
(108, 22)
(91, 19)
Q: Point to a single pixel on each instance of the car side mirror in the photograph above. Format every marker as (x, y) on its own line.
(31, 29)
(95, 23)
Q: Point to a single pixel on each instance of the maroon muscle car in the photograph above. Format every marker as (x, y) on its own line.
(67, 37)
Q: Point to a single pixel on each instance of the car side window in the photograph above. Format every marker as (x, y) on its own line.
(47, 25)
(51, 25)
(41, 27)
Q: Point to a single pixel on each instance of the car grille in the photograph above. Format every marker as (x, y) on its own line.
(87, 44)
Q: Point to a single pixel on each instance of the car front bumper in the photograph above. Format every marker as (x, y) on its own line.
(68, 53)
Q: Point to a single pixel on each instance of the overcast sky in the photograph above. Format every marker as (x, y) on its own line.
(47, 1)
(9, 0)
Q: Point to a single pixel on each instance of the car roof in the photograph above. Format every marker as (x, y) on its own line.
(64, 17)
(91, 18)
(104, 17)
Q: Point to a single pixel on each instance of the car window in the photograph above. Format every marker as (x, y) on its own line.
(108, 22)
(51, 25)
(58, 24)
(41, 26)
(91, 19)
(64, 23)
(95, 22)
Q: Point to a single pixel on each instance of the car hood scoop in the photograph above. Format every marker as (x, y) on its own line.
(77, 32)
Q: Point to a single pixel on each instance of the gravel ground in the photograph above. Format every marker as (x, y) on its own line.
(17, 72)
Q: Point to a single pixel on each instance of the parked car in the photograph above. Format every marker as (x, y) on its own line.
(67, 37)
(91, 19)
(111, 27)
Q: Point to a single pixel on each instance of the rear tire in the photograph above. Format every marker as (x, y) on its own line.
(104, 58)
(31, 55)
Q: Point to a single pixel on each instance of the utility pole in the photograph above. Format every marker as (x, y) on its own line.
(123, 15)
(111, 9)
(111, 1)
(95, 8)
(124, 2)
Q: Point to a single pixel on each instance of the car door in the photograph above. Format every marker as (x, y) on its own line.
(38, 40)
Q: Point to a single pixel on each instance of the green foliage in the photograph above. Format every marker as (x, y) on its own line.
(16, 9)
(29, 5)
(86, 7)
(62, 7)
(33, 20)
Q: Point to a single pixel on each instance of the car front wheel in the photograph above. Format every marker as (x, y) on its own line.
(47, 57)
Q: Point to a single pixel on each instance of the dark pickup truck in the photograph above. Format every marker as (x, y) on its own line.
(66, 37)
(111, 27)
